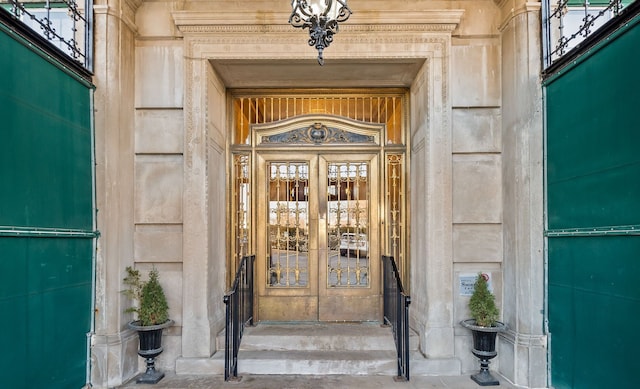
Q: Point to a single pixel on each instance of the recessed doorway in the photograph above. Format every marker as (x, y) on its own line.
(318, 195)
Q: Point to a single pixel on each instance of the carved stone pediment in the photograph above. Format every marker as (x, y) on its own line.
(318, 133)
(311, 130)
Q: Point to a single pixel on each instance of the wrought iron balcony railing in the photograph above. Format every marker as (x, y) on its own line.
(66, 24)
(567, 23)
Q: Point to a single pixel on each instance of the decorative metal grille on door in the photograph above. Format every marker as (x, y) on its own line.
(288, 224)
(347, 224)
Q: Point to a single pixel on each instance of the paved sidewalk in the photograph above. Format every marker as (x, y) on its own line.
(172, 381)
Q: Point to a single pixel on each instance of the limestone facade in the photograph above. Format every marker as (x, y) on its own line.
(162, 73)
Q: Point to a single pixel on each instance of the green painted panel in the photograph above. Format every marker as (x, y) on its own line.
(593, 181)
(46, 289)
(592, 3)
(593, 138)
(594, 301)
(45, 142)
(46, 173)
(601, 199)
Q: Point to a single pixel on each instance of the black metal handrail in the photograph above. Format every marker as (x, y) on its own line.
(239, 312)
(396, 313)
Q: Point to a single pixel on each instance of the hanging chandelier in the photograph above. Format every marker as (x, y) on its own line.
(321, 17)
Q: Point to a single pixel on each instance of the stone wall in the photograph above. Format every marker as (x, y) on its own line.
(477, 204)
(161, 130)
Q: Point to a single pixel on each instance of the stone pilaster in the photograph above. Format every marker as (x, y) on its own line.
(431, 236)
(197, 340)
(204, 226)
(113, 353)
(522, 350)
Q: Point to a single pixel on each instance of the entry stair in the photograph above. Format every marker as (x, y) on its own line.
(319, 349)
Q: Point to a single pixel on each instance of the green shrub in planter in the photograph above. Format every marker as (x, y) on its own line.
(483, 304)
(153, 308)
(152, 313)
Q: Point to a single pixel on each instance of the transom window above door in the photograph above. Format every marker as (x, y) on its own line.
(386, 107)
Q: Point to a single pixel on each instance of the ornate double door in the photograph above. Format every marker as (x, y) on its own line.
(318, 231)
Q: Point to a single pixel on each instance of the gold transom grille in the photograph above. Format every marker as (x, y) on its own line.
(384, 109)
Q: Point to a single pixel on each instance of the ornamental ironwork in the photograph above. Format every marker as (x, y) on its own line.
(567, 23)
(66, 24)
(321, 17)
(317, 134)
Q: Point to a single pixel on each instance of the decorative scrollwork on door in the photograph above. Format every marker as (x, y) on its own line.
(348, 224)
(288, 211)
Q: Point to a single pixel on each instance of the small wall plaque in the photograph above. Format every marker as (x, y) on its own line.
(467, 280)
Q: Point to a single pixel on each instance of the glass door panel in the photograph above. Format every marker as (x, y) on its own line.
(317, 241)
(287, 280)
(349, 278)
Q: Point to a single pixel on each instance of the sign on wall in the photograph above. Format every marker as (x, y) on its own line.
(467, 280)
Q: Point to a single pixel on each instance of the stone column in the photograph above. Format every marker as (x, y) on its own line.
(431, 204)
(195, 328)
(204, 208)
(198, 333)
(522, 350)
(113, 352)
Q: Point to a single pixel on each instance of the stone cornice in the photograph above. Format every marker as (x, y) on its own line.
(524, 7)
(125, 13)
(253, 29)
(224, 21)
(449, 16)
(134, 4)
(201, 46)
(506, 4)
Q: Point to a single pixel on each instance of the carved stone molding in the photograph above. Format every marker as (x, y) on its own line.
(406, 46)
(241, 35)
(525, 7)
(317, 134)
(526, 340)
(233, 21)
(424, 35)
(269, 28)
(126, 12)
(313, 130)
(133, 5)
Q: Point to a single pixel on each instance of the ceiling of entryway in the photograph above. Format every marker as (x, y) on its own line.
(240, 73)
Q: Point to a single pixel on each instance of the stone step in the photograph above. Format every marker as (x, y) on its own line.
(260, 362)
(319, 337)
(318, 349)
(266, 362)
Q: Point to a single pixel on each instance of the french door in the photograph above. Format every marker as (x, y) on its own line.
(318, 236)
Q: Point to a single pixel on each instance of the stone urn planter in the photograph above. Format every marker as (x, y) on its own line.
(152, 311)
(150, 347)
(484, 348)
(484, 326)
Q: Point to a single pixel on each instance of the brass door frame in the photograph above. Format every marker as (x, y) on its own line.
(306, 136)
(284, 304)
(382, 114)
(317, 300)
(349, 303)
(316, 138)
